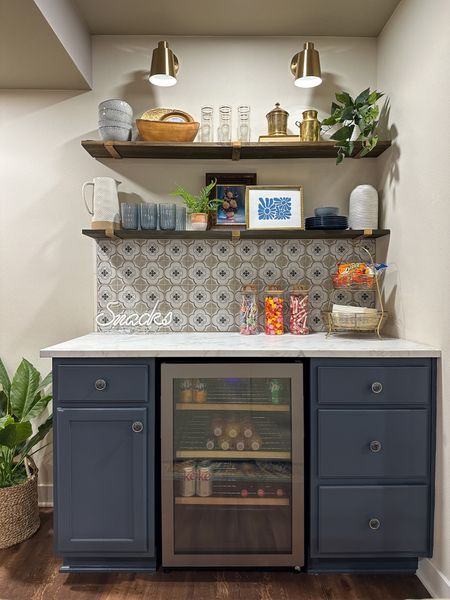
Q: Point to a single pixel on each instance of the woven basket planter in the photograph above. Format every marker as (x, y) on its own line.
(19, 511)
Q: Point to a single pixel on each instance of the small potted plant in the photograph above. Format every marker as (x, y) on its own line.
(198, 206)
(358, 120)
(21, 400)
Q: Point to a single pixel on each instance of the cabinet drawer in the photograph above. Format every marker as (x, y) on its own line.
(373, 443)
(374, 384)
(103, 383)
(373, 519)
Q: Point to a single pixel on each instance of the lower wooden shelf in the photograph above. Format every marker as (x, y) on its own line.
(226, 454)
(197, 501)
(245, 234)
(250, 407)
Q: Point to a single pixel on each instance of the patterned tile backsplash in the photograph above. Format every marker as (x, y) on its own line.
(200, 282)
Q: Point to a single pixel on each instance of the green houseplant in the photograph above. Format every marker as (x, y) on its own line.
(358, 120)
(22, 399)
(199, 205)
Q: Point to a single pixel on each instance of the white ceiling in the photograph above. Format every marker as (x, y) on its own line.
(237, 17)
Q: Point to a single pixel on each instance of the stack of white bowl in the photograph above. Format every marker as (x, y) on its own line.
(115, 119)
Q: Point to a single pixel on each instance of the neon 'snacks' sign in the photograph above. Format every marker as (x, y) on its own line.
(108, 319)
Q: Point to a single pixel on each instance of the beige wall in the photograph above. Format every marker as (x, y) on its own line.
(413, 71)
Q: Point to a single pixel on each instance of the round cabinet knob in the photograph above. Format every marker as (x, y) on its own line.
(374, 524)
(375, 446)
(377, 387)
(100, 385)
(137, 427)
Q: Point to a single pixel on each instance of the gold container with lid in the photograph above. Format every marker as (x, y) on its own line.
(277, 121)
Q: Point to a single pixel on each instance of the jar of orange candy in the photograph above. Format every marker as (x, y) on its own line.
(273, 308)
(298, 307)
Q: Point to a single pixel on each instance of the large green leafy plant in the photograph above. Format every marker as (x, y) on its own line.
(361, 113)
(201, 203)
(22, 399)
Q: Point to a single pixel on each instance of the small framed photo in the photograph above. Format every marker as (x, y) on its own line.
(274, 207)
(230, 190)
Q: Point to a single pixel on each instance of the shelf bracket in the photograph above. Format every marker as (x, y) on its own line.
(368, 232)
(236, 151)
(235, 235)
(109, 147)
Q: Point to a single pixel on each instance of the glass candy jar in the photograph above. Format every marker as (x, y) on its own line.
(298, 307)
(273, 309)
(248, 314)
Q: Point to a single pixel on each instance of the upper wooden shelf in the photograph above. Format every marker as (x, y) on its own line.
(216, 150)
(247, 234)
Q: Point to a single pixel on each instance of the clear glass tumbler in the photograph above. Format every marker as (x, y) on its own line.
(167, 216)
(207, 124)
(130, 215)
(149, 215)
(224, 131)
(243, 132)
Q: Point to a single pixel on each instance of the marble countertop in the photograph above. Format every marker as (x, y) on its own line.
(97, 345)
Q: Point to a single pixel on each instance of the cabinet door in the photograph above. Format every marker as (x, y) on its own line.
(101, 475)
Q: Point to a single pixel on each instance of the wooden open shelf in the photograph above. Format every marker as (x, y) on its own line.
(252, 407)
(226, 454)
(197, 501)
(245, 234)
(216, 150)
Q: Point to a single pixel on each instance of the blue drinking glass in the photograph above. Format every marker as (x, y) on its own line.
(167, 216)
(149, 215)
(130, 215)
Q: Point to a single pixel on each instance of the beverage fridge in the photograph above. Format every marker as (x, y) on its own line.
(232, 464)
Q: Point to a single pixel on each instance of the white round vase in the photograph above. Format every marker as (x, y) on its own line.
(363, 208)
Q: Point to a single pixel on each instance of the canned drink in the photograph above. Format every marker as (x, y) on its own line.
(187, 487)
(204, 481)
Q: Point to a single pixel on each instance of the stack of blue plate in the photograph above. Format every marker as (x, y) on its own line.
(327, 222)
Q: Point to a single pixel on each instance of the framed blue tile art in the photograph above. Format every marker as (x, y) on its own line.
(274, 207)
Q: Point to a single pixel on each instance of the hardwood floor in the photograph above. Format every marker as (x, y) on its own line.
(29, 571)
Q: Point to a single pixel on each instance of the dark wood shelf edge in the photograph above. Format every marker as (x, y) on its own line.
(310, 234)
(216, 150)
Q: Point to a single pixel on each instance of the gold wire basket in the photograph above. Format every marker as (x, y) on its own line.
(361, 322)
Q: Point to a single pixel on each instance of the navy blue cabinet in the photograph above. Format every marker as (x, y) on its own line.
(105, 464)
(371, 445)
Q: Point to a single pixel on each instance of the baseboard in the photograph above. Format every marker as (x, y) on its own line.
(433, 579)
(45, 494)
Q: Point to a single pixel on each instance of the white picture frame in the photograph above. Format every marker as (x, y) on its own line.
(274, 207)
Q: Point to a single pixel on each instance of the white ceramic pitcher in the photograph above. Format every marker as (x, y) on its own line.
(104, 206)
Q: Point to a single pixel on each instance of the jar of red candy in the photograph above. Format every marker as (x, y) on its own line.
(298, 306)
(273, 308)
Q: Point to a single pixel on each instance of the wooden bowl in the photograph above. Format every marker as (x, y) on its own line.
(166, 131)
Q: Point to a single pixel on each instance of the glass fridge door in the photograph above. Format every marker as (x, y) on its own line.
(232, 468)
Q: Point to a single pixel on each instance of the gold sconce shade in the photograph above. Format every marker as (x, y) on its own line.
(164, 69)
(305, 66)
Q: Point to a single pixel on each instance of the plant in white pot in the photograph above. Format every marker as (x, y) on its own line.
(21, 399)
(198, 206)
(358, 119)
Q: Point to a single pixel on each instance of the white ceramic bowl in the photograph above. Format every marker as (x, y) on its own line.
(110, 114)
(113, 123)
(120, 105)
(118, 134)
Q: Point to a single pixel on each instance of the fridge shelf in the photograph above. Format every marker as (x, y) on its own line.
(250, 407)
(197, 501)
(235, 454)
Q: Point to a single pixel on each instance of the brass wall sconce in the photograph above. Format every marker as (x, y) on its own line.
(164, 69)
(305, 66)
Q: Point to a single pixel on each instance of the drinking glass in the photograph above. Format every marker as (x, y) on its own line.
(130, 215)
(243, 132)
(167, 216)
(224, 131)
(207, 124)
(149, 215)
(181, 218)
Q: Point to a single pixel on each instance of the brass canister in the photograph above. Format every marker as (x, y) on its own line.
(309, 127)
(277, 121)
